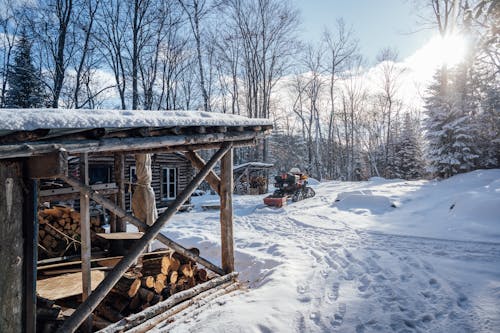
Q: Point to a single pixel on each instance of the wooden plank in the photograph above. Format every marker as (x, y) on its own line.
(102, 188)
(97, 260)
(121, 235)
(67, 285)
(51, 165)
(86, 308)
(74, 270)
(11, 248)
(226, 212)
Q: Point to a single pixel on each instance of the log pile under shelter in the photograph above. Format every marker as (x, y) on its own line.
(59, 232)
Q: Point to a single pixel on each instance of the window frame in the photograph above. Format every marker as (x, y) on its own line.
(166, 196)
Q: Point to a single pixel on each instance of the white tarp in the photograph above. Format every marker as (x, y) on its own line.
(143, 199)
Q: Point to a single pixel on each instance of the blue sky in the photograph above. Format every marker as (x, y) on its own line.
(377, 23)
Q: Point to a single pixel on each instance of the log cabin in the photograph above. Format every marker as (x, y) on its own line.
(37, 145)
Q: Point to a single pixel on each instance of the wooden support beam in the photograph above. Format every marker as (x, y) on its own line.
(226, 212)
(11, 247)
(111, 206)
(30, 233)
(51, 165)
(119, 169)
(196, 161)
(86, 308)
(85, 236)
(124, 144)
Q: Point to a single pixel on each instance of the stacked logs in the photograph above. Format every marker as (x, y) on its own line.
(59, 231)
(159, 278)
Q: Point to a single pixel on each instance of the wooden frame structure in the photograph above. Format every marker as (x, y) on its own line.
(27, 156)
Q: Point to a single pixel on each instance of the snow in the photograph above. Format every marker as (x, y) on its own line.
(319, 265)
(31, 119)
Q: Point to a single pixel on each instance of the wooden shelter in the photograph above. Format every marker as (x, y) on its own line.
(38, 144)
(252, 178)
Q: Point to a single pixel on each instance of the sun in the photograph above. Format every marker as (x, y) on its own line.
(450, 50)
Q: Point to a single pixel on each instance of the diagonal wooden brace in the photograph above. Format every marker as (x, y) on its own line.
(86, 308)
(212, 179)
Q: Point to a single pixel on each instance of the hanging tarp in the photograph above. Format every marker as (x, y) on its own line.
(143, 199)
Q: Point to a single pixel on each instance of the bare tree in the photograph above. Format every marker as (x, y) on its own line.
(341, 48)
(195, 11)
(9, 26)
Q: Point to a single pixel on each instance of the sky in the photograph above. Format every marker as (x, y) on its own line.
(376, 23)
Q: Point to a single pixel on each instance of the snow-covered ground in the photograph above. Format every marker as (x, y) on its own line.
(388, 256)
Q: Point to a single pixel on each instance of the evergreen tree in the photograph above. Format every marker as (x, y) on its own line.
(450, 132)
(409, 161)
(25, 89)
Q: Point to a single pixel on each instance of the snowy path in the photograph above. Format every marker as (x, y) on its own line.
(311, 271)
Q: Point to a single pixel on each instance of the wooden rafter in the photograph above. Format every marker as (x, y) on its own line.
(86, 308)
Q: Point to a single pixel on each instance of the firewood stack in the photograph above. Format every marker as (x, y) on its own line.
(59, 231)
(159, 278)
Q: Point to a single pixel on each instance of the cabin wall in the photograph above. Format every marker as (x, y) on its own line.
(158, 162)
(11, 247)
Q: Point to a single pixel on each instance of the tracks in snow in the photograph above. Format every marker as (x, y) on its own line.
(373, 281)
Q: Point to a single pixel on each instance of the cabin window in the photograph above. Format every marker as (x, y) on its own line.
(99, 174)
(168, 183)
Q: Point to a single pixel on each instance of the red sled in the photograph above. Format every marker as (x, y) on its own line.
(275, 201)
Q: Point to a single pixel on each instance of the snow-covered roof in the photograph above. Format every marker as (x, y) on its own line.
(30, 132)
(32, 119)
(260, 165)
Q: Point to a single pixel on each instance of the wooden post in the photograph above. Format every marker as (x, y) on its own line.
(11, 247)
(85, 235)
(86, 308)
(119, 169)
(226, 212)
(30, 225)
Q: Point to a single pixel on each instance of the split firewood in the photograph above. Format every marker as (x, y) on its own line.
(107, 312)
(187, 270)
(155, 266)
(202, 275)
(148, 281)
(128, 285)
(172, 277)
(118, 302)
(159, 286)
(135, 303)
(146, 295)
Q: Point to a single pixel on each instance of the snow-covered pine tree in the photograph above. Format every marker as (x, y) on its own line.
(408, 161)
(25, 90)
(450, 133)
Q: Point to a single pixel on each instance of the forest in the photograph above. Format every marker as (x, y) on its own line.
(334, 115)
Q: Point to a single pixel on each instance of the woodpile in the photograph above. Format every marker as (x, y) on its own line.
(157, 279)
(59, 231)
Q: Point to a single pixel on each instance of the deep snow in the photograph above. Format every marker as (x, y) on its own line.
(388, 256)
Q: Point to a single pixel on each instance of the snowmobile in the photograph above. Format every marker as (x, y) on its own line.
(290, 185)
